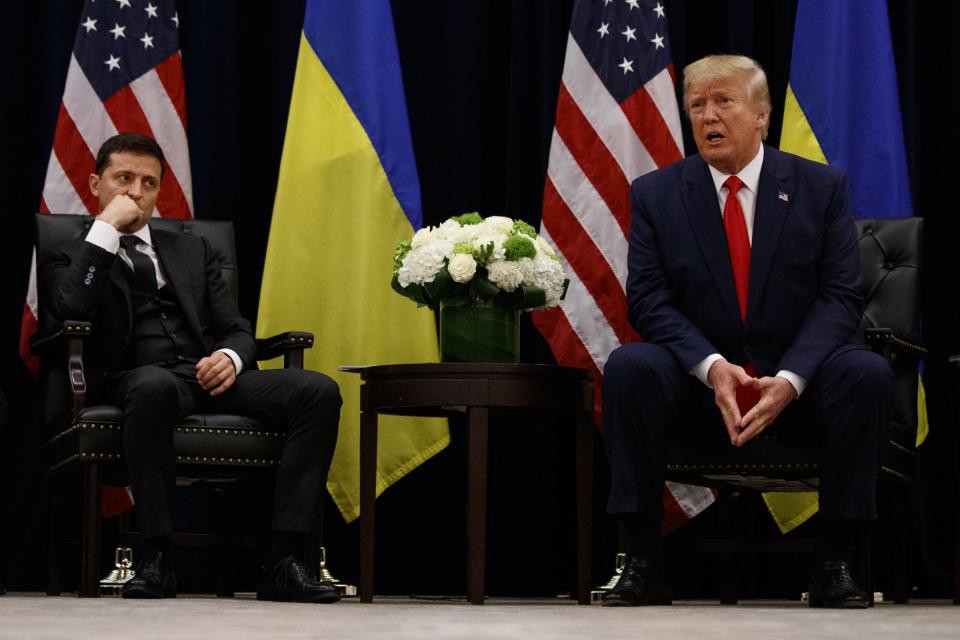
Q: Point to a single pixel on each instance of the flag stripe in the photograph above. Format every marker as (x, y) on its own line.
(86, 109)
(661, 91)
(61, 193)
(651, 128)
(604, 114)
(168, 130)
(585, 317)
(602, 170)
(585, 258)
(170, 73)
(591, 211)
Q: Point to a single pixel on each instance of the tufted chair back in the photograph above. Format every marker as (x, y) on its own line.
(890, 251)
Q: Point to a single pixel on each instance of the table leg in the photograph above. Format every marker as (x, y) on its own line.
(368, 496)
(585, 441)
(477, 426)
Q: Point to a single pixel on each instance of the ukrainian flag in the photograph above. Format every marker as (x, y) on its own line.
(843, 109)
(347, 194)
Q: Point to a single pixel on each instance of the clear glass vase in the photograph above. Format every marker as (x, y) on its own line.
(483, 331)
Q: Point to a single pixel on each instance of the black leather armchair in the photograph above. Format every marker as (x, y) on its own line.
(890, 252)
(83, 444)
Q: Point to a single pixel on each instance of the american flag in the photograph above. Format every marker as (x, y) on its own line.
(125, 75)
(617, 119)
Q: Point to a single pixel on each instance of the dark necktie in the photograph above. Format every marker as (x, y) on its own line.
(738, 242)
(144, 276)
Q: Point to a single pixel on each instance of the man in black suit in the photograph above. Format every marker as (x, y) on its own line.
(743, 279)
(168, 340)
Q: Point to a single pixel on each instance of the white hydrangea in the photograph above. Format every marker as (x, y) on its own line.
(422, 264)
(506, 275)
(462, 267)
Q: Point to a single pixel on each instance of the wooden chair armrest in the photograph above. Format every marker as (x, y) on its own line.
(290, 345)
(887, 341)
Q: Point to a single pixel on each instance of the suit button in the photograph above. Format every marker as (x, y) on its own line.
(173, 335)
(163, 315)
(86, 281)
(92, 269)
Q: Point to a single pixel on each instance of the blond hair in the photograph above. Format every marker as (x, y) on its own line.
(722, 67)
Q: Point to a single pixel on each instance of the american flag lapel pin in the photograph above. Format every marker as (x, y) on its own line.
(784, 197)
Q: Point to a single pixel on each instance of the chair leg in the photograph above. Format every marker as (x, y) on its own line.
(90, 532)
(728, 557)
(54, 544)
(901, 586)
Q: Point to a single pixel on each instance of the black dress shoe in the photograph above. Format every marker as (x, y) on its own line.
(832, 587)
(642, 583)
(290, 580)
(153, 577)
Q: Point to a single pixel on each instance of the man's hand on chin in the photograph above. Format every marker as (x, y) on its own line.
(216, 373)
(725, 378)
(775, 394)
(123, 213)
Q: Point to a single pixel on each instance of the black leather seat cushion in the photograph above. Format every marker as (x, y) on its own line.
(207, 439)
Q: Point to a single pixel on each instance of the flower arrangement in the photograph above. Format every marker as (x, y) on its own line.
(470, 259)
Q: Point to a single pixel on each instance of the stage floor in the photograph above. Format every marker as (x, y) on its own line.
(27, 616)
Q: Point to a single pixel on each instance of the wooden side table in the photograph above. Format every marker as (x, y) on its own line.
(481, 391)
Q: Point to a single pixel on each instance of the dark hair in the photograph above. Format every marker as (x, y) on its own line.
(135, 143)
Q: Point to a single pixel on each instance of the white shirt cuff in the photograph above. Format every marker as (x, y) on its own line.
(798, 382)
(701, 369)
(104, 236)
(237, 363)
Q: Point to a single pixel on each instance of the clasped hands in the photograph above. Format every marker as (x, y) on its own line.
(216, 373)
(775, 394)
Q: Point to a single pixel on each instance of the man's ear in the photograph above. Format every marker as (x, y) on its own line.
(94, 182)
(762, 119)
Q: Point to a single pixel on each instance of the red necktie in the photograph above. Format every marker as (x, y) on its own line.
(738, 243)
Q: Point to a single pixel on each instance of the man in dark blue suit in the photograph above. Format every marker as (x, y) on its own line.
(744, 282)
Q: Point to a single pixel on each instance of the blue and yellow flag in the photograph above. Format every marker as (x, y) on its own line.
(347, 194)
(843, 109)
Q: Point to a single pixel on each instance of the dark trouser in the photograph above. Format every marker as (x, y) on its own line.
(648, 400)
(305, 404)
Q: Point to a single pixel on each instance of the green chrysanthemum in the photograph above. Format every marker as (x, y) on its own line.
(520, 226)
(400, 253)
(517, 247)
(468, 218)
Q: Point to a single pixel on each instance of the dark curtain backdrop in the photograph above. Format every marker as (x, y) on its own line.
(481, 79)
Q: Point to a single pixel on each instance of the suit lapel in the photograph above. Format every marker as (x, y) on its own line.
(774, 193)
(703, 209)
(173, 261)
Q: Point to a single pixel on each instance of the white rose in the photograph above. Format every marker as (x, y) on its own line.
(462, 266)
(544, 247)
(421, 237)
(499, 224)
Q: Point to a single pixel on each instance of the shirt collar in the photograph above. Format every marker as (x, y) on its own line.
(750, 174)
(143, 234)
